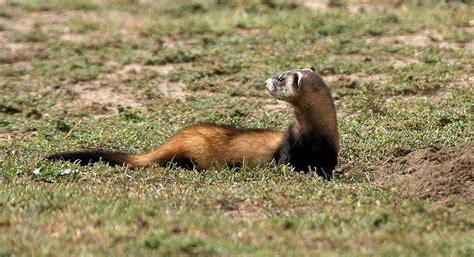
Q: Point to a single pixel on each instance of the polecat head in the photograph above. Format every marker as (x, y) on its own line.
(290, 86)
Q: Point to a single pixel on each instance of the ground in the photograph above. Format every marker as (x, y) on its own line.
(126, 74)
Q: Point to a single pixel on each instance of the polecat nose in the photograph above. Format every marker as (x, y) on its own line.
(269, 85)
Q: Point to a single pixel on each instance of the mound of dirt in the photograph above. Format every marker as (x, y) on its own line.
(445, 174)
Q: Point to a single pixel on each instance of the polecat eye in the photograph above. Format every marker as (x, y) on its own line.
(281, 78)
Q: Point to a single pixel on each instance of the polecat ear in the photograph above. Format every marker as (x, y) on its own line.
(300, 78)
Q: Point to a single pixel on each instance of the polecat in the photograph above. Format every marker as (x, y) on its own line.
(310, 144)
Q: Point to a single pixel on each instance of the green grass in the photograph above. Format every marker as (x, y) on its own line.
(405, 96)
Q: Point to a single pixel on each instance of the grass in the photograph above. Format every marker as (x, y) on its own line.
(408, 66)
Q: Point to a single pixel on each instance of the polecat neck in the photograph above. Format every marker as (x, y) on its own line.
(316, 117)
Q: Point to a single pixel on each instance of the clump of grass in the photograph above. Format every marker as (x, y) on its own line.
(83, 26)
(73, 71)
(172, 55)
(33, 36)
(59, 5)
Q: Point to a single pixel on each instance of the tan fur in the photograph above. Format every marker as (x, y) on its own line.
(214, 146)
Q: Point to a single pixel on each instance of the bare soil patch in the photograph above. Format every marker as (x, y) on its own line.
(352, 80)
(353, 8)
(101, 99)
(430, 95)
(401, 62)
(111, 90)
(81, 38)
(127, 72)
(174, 90)
(275, 106)
(445, 174)
(246, 213)
(421, 39)
(321, 6)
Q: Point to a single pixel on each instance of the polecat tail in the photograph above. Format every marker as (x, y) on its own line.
(112, 158)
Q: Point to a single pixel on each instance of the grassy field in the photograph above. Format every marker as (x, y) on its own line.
(126, 74)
